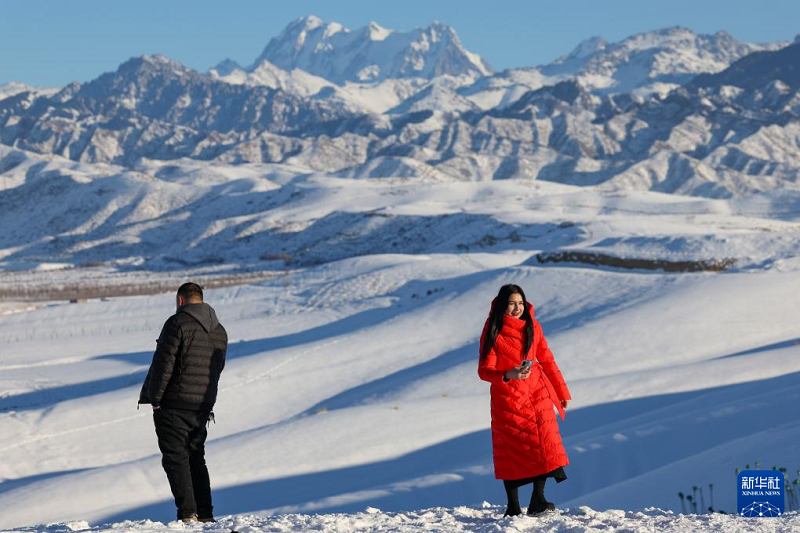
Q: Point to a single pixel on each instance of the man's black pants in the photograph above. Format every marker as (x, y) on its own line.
(181, 438)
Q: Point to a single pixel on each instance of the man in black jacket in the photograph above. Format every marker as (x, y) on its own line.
(182, 388)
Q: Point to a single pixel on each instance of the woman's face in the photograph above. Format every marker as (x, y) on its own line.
(515, 306)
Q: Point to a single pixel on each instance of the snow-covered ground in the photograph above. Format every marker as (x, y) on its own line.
(351, 383)
(444, 520)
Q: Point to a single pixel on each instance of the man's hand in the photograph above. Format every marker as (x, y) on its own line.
(156, 408)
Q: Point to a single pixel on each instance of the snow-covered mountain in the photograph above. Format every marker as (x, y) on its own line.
(371, 53)
(563, 122)
(13, 88)
(757, 71)
(652, 62)
(647, 63)
(155, 107)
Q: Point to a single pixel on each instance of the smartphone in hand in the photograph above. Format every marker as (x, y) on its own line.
(525, 365)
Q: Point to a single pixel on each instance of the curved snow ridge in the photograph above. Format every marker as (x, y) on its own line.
(486, 518)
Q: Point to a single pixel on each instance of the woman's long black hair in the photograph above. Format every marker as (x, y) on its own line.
(497, 315)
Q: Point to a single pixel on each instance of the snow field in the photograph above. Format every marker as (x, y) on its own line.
(354, 384)
(351, 378)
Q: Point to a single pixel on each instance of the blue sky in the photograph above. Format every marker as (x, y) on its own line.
(51, 43)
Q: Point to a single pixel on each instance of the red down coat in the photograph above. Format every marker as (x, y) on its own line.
(525, 437)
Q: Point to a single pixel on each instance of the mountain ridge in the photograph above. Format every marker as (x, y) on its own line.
(519, 124)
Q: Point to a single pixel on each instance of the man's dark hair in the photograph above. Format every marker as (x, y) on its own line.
(191, 291)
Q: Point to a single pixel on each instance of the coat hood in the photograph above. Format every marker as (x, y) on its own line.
(203, 313)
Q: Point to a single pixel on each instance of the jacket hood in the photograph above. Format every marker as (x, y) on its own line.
(203, 313)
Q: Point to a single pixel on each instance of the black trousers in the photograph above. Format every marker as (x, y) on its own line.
(181, 439)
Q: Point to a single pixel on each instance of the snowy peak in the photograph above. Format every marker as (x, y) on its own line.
(437, 50)
(372, 53)
(300, 28)
(588, 47)
(13, 88)
(225, 67)
(771, 70)
(302, 38)
(652, 62)
(150, 66)
(308, 22)
(375, 32)
(134, 78)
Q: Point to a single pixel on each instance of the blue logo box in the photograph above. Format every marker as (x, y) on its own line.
(760, 493)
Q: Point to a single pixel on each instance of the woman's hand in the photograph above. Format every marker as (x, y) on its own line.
(518, 373)
(564, 403)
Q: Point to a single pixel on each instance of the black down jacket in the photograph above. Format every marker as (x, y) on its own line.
(188, 360)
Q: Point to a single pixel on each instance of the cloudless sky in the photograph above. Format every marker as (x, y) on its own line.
(53, 42)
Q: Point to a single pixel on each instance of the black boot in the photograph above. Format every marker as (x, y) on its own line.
(512, 493)
(539, 504)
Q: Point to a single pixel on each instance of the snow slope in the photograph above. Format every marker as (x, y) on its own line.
(351, 380)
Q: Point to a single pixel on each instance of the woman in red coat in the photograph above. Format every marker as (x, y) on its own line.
(526, 443)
